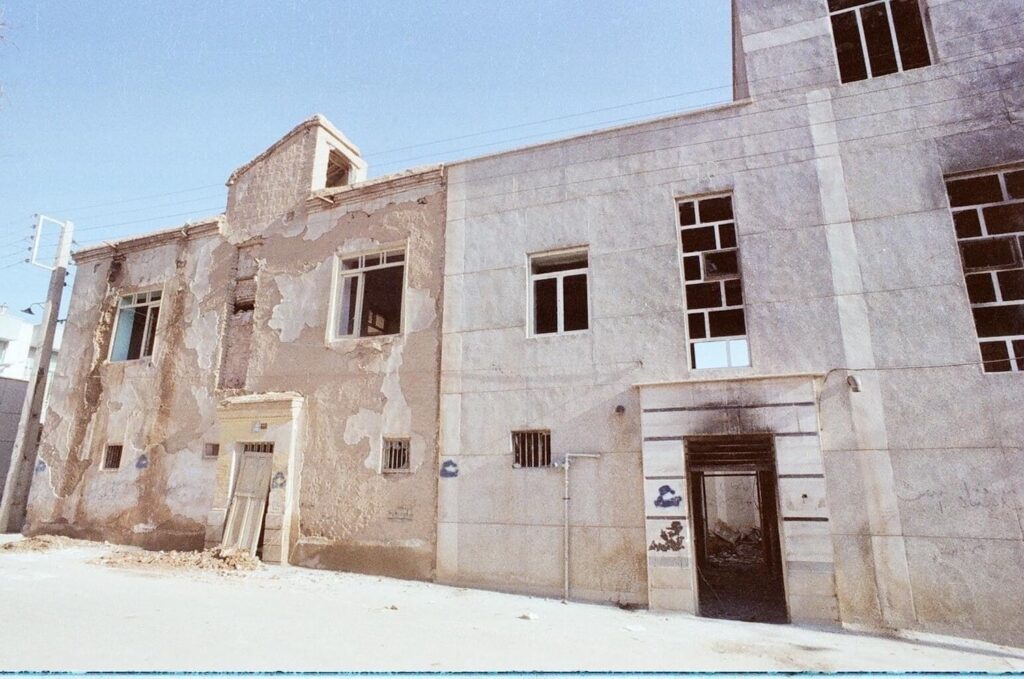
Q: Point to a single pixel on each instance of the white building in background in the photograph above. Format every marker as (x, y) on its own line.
(19, 346)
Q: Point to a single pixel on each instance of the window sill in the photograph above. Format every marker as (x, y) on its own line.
(382, 339)
(553, 335)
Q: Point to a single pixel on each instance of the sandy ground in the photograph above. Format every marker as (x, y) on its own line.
(64, 609)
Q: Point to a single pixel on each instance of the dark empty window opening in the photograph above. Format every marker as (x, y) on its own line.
(558, 288)
(732, 484)
(112, 457)
(531, 448)
(988, 216)
(258, 447)
(712, 283)
(878, 37)
(211, 450)
(369, 295)
(395, 457)
(135, 329)
(338, 170)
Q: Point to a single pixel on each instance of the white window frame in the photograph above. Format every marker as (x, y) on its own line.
(892, 33)
(559, 295)
(149, 305)
(340, 274)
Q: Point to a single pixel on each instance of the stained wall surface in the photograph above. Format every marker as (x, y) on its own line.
(849, 261)
(164, 409)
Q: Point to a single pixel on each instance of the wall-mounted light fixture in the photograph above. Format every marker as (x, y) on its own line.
(854, 383)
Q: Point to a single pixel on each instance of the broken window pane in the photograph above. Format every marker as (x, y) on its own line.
(721, 264)
(995, 356)
(980, 288)
(136, 326)
(696, 326)
(727, 235)
(999, 321)
(370, 294)
(559, 285)
(1011, 284)
(726, 323)
(1008, 218)
(691, 268)
(733, 292)
(715, 209)
(337, 170)
(1015, 184)
(687, 215)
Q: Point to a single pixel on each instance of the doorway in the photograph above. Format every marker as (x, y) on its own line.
(736, 545)
(247, 512)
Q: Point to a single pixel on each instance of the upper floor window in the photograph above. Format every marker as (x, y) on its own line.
(877, 37)
(714, 291)
(988, 213)
(135, 327)
(369, 294)
(338, 170)
(558, 292)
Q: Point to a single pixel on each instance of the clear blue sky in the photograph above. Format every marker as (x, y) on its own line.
(127, 117)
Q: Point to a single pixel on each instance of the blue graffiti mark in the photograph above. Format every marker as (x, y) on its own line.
(142, 462)
(667, 497)
(278, 480)
(450, 469)
(40, 466)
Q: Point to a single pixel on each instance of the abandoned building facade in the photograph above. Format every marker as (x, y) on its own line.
(771, 351)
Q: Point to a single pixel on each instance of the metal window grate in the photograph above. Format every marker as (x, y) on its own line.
(258, 447)
(531, 448)
(211, 450)
(396, 455)
(112, 457)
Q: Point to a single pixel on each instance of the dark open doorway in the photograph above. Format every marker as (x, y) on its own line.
(735, 528)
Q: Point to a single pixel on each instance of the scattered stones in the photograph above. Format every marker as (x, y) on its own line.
(215, 559)
(43, 543)
(528, 616)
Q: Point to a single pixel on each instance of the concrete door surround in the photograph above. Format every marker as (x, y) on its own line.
(272, 417)
(784, 407)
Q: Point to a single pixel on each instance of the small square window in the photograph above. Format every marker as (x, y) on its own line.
(531, 448)
(395, 455)
(211, 450)
(112, 457)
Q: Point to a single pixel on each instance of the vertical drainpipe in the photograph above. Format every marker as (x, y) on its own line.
(565, 533)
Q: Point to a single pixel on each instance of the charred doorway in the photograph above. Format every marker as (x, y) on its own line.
(736, 545)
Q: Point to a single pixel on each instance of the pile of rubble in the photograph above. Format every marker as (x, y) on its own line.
(729, 547)
(215, 559)
(43, 543)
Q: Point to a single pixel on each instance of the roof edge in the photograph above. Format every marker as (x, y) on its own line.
(202, 227)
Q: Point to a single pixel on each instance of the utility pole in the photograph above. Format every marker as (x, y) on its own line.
(23, 458)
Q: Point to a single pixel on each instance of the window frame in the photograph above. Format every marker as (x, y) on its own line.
(559, 277)
(1015, 363)
(725, 340)
(856, 11)
(384, 443)
(149, 305)
(546, 436)
(106, 453)
(337, 281)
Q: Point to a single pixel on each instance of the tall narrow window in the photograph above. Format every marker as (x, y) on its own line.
(877, 37)
(369, 295)
(135, 328)
(558, 291)
(988, 214)
(714, 291)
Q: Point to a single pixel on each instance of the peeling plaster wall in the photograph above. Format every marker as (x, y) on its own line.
(161, 409)
(351, 516)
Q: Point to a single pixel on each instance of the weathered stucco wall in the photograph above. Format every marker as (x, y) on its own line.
(161, 409)
(352, 516)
